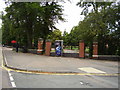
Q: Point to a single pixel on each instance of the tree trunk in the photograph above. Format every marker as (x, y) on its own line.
(29, 41)
(90, 49)
(44, 42)
(29, 34)
(101, 44)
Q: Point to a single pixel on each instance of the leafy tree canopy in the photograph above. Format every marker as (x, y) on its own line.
(28, 21)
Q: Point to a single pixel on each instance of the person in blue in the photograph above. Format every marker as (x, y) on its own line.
(58, 50)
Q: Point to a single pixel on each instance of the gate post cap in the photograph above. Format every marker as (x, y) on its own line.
(48, 40)
(95, 42)
(81, 40)
(40, 39)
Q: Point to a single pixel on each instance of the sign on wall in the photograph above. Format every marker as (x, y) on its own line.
(58, 47)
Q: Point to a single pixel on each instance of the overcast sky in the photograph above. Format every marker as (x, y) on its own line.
(71, 14)
(2, 6)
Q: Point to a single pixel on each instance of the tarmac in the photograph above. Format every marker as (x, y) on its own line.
(1, 58)
(32, 63)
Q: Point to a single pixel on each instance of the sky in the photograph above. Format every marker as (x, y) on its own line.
(2, 6)
(71, 14)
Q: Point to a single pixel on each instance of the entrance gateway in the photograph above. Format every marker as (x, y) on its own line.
(60, 43)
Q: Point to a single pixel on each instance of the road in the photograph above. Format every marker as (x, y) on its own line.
(23, 80)
(4, 78)
(0, 67)
(12, 79)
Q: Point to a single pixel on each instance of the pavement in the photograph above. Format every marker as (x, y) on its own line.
(64, 67)
(1, 58)
(33, 62)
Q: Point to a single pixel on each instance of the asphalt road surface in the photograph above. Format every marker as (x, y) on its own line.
(6, 80)
(4, 77)
(23, 80)
(0, 78)
(12, 79)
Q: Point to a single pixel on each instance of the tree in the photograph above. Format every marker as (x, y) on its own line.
(65, 38)
(55, 35)
(52, 12)
(21, 17)
(30, 21)
(100, 22)
(96, 6)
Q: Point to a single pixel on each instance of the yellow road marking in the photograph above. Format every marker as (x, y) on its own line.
(55, 73)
